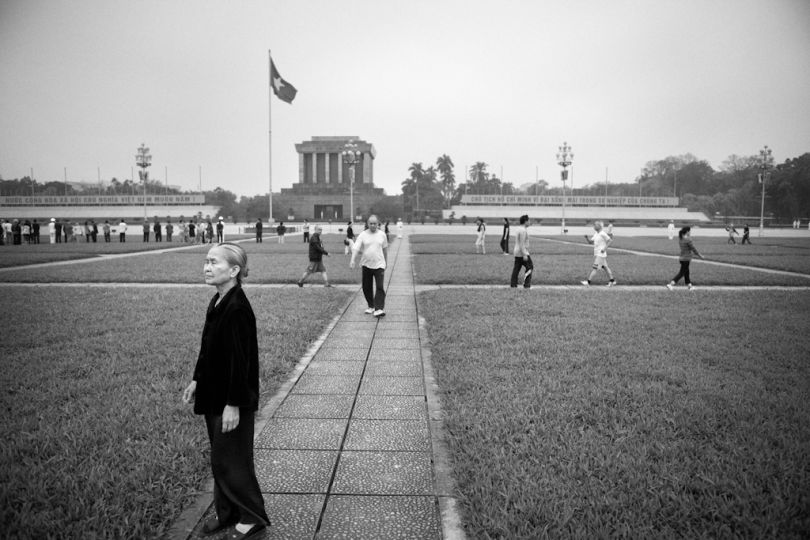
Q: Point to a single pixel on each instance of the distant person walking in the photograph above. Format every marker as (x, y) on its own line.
(259, 227)
(305, 228)
(122, 231)
(671, 229)
(58, 231)
(106, 230)
(220, 230)
(158, 233)
(399, 227)
(505, 237)
(280, 231)
(209, 232)
(169, 230)
(372, 247)
(145, 230)
(348, 242)
(316, 254)
(522, 257)
(731, 232)
(746, 235)
(225, 390)
(93, 230)
(600, 241)
(52, 231)
(480, 239)
(687, 251)
(88, 232)
(35, 232)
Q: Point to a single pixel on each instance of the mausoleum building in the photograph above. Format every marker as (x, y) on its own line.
(324, 188)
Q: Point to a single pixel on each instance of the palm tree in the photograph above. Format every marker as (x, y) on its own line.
(448, 188)
(479, 175)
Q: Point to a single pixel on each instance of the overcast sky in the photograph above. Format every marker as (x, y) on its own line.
(84, 82)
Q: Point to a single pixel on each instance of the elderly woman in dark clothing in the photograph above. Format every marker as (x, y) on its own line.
(225, 388)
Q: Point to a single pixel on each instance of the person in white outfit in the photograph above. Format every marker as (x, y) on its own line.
(52, 230)
(372, 246)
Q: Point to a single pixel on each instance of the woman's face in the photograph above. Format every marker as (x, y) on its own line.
(217, 269)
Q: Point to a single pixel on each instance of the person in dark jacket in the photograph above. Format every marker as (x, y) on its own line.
(687, 250)
(316, 253)
(505, 237)
(225, 389)
(259, 230)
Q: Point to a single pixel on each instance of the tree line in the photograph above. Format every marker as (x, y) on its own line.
(733, 190)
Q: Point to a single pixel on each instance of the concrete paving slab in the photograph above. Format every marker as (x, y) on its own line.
(315, 384)
(316, 406)
(394, 355)
(394, 368)
(336, 367)
(375, 518)
(392, 386)
(341, 355)
(395, 343)
(359, 339)
(385, 333)
(302, 434)
(390, 435)
(294, 471)
(384, 473)
(370, 407)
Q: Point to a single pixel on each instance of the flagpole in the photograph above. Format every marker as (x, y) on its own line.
(270, 132)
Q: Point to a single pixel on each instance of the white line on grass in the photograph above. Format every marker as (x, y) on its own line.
(675, 257)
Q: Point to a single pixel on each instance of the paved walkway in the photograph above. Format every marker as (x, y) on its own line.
(351, 447)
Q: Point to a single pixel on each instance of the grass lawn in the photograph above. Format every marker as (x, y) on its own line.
(791, 254)
(11, 255)
(444, 260)
(98, 443)
(651, 415)
(269, 262)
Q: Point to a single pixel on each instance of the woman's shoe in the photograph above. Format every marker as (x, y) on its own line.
(253, 532)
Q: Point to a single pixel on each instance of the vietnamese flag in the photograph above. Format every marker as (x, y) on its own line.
(281, 88)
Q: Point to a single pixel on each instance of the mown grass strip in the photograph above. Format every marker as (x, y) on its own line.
(649, 415)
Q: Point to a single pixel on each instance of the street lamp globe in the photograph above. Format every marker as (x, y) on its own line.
(351, 156)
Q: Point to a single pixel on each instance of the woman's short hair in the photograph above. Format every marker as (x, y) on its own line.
(524, 218)
(683, 231)
(236, 256)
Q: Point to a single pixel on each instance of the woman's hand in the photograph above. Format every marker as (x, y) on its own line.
(230, 418)
(188, 393)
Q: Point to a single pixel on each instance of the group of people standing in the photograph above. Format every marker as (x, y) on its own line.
(193, 231)
(16, 233)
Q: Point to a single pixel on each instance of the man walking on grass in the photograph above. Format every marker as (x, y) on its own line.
(522, 257)
(316, 253)
(600, 241)
(372, 245)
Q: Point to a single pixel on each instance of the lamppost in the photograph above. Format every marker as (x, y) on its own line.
(765, 164)
(142, 160)
(564, 158)
(351, 156)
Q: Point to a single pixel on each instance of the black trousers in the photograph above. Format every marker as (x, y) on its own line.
(237, 495)
(505, 244)
(306, 237)
(527, 278)
(372, 277)
(683, 273)
(122, 237)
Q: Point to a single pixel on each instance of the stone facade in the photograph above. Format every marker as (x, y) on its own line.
(323, 192)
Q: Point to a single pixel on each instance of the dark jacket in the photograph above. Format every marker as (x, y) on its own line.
(227, 370)
(316, 251)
